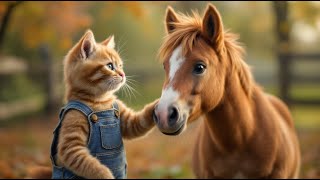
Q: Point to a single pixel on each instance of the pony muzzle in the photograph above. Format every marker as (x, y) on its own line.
(169, 119)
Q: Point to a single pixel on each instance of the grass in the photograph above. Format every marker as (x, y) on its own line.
(171, 172)
(306, 91)
(306, 117)
(34, 109)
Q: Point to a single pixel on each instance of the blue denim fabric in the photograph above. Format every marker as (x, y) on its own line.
(104, 142)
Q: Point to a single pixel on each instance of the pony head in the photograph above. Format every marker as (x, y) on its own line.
(198, 56)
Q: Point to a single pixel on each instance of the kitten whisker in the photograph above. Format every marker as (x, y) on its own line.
(132, 81)
(127, 91)
(120, 45)
(133, 91)
(134, 84)
(130, 78)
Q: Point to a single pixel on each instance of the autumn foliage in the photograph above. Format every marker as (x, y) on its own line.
(58, 22)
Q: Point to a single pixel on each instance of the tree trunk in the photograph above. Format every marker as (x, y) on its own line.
(48, 76)
(5, 20)
(282, 28)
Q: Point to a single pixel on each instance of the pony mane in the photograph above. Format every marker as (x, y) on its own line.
(189, 29)
(235, 53)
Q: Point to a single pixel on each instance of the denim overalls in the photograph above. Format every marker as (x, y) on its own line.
(104, 141)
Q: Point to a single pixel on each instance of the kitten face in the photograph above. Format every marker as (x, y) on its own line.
(94, 68)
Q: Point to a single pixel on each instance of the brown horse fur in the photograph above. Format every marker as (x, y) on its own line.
(244, 132)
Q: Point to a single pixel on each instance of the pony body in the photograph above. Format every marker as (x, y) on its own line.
(244, 132)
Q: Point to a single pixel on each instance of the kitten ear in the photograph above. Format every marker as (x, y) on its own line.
(109, 42)
(87, 44)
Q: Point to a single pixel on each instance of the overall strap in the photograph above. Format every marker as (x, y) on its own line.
(76, 105)
(116, 109)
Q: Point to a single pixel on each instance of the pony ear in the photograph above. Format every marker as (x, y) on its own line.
(109, 42)
(87, 44)
(212, 26)
(171, 19)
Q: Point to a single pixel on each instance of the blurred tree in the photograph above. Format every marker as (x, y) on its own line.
(58, 22)
(307, 11)
(6, 10)
(50, 22)
(282, 29)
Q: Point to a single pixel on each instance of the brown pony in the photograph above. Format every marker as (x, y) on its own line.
(244, 132)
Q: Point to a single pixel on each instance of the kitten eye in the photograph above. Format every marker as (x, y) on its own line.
(110, 66)
(199, 68)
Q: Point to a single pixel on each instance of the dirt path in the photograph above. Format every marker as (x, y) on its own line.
(27, 144)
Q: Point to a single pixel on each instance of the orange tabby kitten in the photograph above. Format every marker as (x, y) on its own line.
(93, 73)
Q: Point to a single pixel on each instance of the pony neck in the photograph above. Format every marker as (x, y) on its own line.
(231, 123)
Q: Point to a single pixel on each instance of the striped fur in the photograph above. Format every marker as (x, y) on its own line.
(88, 79)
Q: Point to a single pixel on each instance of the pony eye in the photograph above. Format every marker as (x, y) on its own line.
(110, 66)
(199, 68)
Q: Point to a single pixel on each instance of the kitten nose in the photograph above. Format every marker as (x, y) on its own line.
(121, 74)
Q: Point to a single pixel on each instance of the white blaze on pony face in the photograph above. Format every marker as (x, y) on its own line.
(169, 96)
(176, 60)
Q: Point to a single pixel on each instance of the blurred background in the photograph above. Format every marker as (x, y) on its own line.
(282, 40)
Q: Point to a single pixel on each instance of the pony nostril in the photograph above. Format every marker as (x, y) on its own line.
(155, 118)
(173, 115)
